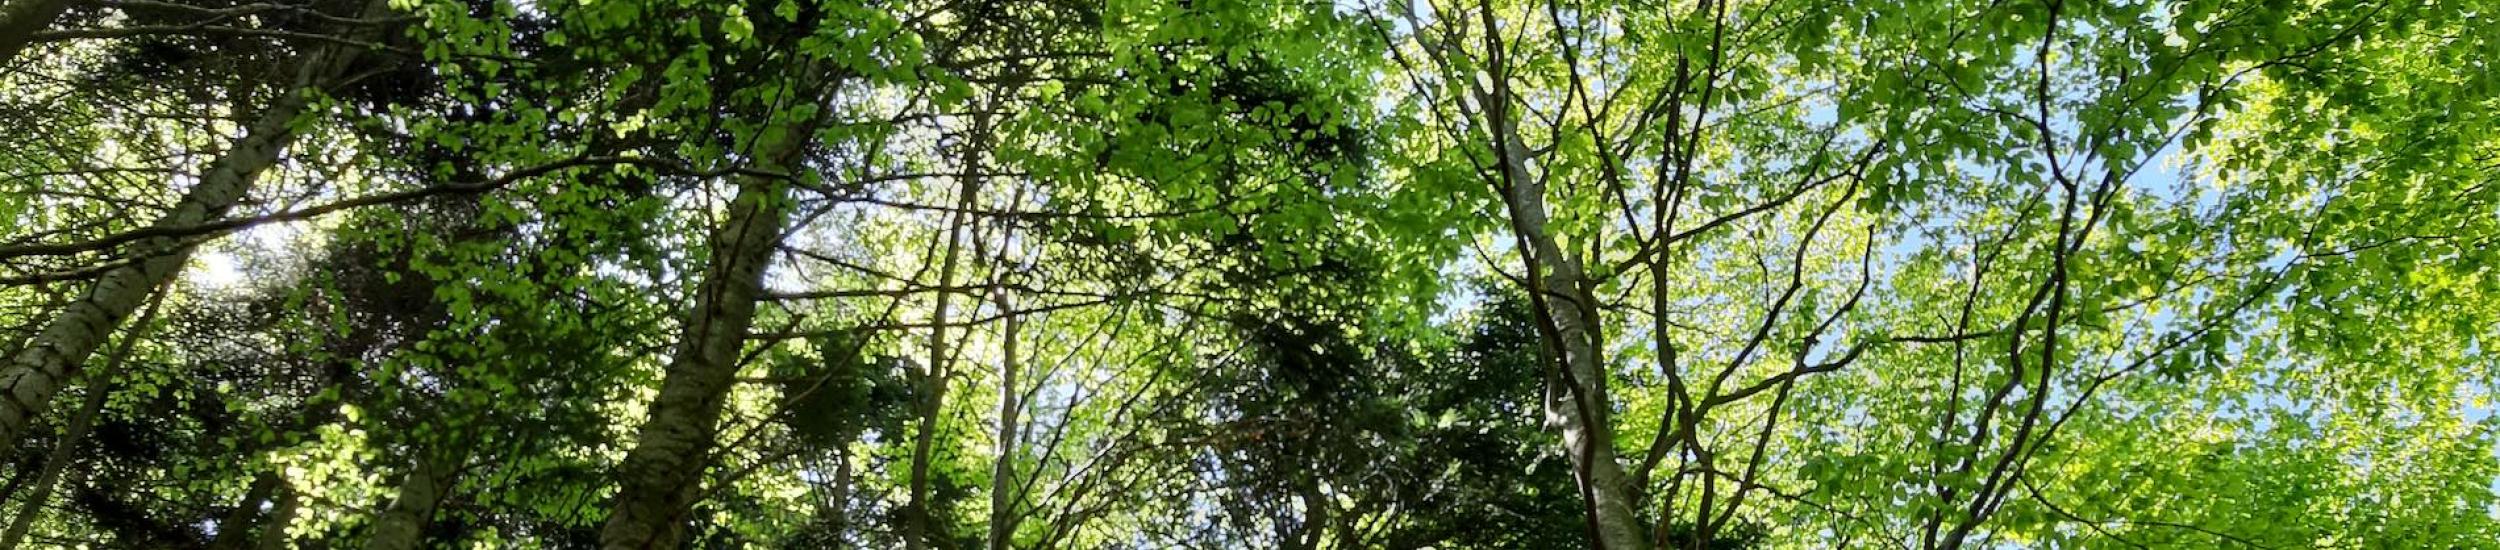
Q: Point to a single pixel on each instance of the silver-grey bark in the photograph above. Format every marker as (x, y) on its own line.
(31, 376)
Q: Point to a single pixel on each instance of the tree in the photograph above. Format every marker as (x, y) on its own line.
(1726, 274)
(35, 372)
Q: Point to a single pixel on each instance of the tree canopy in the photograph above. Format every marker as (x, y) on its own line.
(1708, 274)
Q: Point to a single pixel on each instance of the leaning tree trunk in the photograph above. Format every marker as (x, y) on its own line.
(933, 400)
(661, 475)
(97, 389)
(273, 534)
(20, 19)
(402, 526)
(30, 377)
(1561, 290)
(235, 530)
(1566, 306)
(50, 477)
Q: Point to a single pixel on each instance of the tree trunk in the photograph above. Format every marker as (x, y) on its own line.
(933, 383)
(842, 497)
(41, 494)
(402, 526)
(1562, 291)
(273, 534)
(25, 474)
(832, 513)
(661, 475)
(236, 528)
(20, 19)
(932, 403)
(1003, 514)
(100, 387)
(35, 373)
(29, 378)
(1565, 304)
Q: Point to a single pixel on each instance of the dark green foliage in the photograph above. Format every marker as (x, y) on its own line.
(1487, 477)
(1447, 441)
(1121, 274)
(843, 391)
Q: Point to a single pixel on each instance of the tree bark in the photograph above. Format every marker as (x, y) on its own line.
(236, 528)
(100, 387)
(30, 377)
(273, 534)
(402, 526)
(842, 490)
(1556, 285)
(45, 480)
(932, 404)
(1562, 291)
(1003, 474)
(661, 475)
(933, 383)
(35, 373)
(20, 19)
(835, 514)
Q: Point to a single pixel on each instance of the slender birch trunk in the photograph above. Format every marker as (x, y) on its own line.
(933, 403)
(933, 391)
(97, 390)
(30, 377)
(836, 513)
(1560, 290)
(661, 476)
(1582, 410)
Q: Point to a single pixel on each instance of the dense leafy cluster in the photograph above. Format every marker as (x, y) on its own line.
(1710, 274)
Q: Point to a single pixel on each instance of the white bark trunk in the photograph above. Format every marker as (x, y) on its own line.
(40, 495)
(100, 387)
(35, 373)
(1582, 412)
(30, 377)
